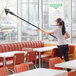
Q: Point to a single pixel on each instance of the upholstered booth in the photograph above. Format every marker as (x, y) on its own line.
(20, 46)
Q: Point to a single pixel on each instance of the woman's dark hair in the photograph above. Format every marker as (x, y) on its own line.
(61, 23)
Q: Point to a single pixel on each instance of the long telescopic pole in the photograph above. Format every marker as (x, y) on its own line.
(7, 11)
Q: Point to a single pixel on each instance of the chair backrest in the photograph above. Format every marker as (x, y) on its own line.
(72, 73)
(4, 71)
(71, 49)
(54, 52)
(21, 68)
(19, 58)
(54, 61)
(31, 56)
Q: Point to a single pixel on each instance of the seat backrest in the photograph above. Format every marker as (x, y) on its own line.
(34, 44)
(4, 71)
(54, 52)
(31, 56)
(18, 58)
(72, 73)
(19, 45)
(71, 49)
(11, 47)
(54, 61)
(21, 68)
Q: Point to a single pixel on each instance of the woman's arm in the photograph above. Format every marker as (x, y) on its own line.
(46, 31)
(67, 35)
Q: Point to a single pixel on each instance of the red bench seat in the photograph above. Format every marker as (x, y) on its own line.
(19, 46)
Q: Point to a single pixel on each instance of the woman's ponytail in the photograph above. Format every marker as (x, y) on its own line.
(63, 28)
(61, 23)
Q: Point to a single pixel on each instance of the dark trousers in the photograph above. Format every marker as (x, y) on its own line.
(63, 49)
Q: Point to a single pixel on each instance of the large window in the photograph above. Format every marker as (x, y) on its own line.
(64, 9)
(8, 24)
(29, 13)
(47, 18)
(73, 21)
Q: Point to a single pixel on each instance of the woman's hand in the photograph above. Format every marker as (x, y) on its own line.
(42, 30)
(67, 35)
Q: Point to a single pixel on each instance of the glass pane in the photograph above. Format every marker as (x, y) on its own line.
(46, 15)
(73, 21)
(8, 24)
(30, 13)
(51, 11)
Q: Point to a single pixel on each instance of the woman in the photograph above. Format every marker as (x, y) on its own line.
(61, 35)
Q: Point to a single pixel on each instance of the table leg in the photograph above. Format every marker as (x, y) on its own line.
(39, 59)
(4, 61)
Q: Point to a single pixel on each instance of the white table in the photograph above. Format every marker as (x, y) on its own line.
(41, 72)
(9, 54)
(70, 64)
(43, 49)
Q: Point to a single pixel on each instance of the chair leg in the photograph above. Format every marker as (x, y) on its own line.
(42, 64)
(11, 70)
(35, 66)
